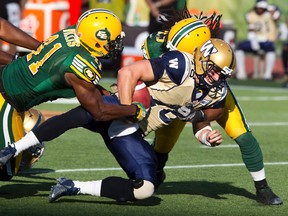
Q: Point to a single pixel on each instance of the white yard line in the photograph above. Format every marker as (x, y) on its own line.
(35, 171)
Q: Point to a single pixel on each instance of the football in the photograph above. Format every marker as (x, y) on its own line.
(142, 95)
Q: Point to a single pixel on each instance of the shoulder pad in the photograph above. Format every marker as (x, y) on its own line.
(177, 65)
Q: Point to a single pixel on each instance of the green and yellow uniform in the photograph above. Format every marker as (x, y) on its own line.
(39, 77)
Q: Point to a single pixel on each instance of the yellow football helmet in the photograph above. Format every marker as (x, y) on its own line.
(214, 55)
(100, 32)
(187, 34)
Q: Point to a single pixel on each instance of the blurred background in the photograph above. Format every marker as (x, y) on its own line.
(41, 18)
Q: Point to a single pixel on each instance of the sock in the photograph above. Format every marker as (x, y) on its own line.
(162, 159)
(118, 188)
(89, 187)
(258, 175)
(240, 56)
(25, 142)
(260, 184)
(250, 151)
(270, 58)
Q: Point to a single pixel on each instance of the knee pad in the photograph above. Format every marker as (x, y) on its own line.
(143, 190)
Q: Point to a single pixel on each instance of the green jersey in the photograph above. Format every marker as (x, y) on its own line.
(155, 45)
(39, 76)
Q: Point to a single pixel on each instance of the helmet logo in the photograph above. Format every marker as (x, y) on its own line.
(103, 34)
(208, 49)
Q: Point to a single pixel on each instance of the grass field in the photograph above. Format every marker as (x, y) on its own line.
(200, 181)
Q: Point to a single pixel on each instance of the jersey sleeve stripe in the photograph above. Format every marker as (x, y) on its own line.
(78, 58)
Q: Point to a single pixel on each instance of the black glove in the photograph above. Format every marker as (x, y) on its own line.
(189, 114)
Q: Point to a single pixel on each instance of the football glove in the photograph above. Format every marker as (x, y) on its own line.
(189, 114)
(140, 111)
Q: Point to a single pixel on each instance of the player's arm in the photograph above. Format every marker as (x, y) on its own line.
(91, 99)
(5, 58)
(206, 135)
(16, 36)
(129, 75)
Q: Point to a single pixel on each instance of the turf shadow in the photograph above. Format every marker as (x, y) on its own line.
(215, 190)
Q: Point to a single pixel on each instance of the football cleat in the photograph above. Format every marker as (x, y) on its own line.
(6, 154)
(64, 187)
(266, 196)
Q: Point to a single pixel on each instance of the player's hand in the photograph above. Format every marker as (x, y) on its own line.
(141, 111)
(253, 41)
(214, 137)
(188, 113)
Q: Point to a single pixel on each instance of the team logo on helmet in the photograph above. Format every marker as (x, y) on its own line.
(89, 74)
(208, 48)
(103, 34)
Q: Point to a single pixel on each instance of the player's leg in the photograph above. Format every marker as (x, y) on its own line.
(137, 159)
(284, 56)
(235, 125)
(164, 141)
(242, 48)
(47, 131)
(12, 130)
(270, 58)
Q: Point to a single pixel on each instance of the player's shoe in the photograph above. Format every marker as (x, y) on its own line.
(64, 187)
(6, 154)
(266, 196)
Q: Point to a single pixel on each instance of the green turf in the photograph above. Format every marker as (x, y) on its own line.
(188, 189)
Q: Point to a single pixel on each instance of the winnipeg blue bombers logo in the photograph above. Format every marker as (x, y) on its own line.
(103, 34)
(208, 49)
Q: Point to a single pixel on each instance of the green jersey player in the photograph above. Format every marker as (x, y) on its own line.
(63, 66)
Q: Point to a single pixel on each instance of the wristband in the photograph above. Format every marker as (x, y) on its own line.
(203, 138)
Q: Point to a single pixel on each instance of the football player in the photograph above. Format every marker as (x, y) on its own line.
(232, 121)
(175, 74)
(63, 66)
(262, 35)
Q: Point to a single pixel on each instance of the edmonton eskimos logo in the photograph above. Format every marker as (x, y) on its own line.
(103, 34)
(89, 74)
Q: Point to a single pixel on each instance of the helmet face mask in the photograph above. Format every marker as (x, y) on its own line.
(187, 34)
(99, 31)
(214, 56)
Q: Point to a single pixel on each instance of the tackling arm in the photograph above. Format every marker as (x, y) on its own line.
(91, 99)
